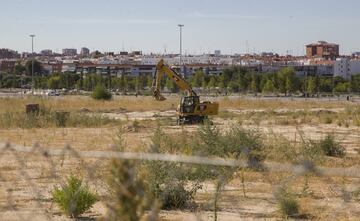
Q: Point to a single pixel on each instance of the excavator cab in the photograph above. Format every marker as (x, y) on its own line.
(188, 104)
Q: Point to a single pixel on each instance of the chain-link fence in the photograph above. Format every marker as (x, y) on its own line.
(29, 174)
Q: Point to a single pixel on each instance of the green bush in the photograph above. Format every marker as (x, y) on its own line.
(289, 206)
(331, 147)
(174, 184)
(100, 93)
(176, 197)
(74, 198)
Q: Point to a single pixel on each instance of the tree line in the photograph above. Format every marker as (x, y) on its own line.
(232, 80)
(285, 81)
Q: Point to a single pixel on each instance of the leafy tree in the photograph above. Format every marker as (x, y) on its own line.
(19, 69)
(311, 85)
(269, 87)
(342, 87)
(255, 83)
(197, 79)
(287, 80)
(170, 84)
(54, 82)
(355, 83)
(234, 86)
(326, 84)
(100, 93)
(212, 82)
(37, 67)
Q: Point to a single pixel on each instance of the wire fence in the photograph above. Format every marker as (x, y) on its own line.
(28, 175)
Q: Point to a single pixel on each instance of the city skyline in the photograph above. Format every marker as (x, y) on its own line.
(277, 26)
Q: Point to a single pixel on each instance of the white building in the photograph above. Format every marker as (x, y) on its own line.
(345, 67)
(188, 60)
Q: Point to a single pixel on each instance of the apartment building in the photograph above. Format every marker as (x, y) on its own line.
(345, 67)
(8, 54)
(84, 51)
(69, 51)
(322, 49)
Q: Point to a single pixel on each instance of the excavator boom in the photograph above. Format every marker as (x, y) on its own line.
(161, 70)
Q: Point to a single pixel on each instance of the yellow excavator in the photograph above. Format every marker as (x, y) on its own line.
(190, 109)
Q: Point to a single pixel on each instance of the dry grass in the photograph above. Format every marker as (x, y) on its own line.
(76, 103)
(324, 204)
(141, 103)
(280, 103)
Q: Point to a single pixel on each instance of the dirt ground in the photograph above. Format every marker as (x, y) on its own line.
(26, 179)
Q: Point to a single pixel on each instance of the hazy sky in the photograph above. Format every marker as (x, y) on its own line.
(151, 25)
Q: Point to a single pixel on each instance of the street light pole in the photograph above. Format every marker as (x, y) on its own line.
(32, 62)
(180, 26)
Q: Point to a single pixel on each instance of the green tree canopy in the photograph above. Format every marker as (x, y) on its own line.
(37, 67)
(269, 87)
(54, 82)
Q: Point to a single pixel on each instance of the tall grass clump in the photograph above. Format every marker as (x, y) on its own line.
(129, 197)
(53, 119)
(74, 198)
(174, 184)
(288, 204)
(331, 147)
(100, 93)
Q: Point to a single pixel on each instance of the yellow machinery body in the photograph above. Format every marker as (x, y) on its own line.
(190, 109)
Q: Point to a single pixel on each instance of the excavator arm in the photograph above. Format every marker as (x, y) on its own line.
(163, 69)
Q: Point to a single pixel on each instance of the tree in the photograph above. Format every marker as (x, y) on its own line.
(287, 80)
(234, 87)
(170, 85)
(342, 87)
(326, 84)
(311, 86)
(54, 82)
(37, 67)
(269, 87)
(212, 82)
(100, 93)
(355, 83)
(255, 83)
(197, 79)
(19, 69)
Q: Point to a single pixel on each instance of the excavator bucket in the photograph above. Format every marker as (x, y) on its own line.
(158, 96)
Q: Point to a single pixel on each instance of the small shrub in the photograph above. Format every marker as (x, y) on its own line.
(356, 195)
(328, 120)
(74, 198)
(289, 206)
(100, 93)
(331, 147)
(61, 118)
(176, 197)
(174, 184)
(136, 125)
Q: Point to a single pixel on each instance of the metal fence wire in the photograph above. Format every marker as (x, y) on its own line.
(29, 174)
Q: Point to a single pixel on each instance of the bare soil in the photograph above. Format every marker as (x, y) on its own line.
(26, 179)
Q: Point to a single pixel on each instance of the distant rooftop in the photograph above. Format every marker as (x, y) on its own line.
(321, 43)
